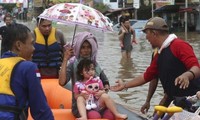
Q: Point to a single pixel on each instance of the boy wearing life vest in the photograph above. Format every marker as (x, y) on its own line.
(48, 53)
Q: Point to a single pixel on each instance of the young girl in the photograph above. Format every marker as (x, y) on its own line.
(86, 72)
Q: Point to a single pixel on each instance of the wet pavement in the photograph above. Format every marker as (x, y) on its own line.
(109, 57)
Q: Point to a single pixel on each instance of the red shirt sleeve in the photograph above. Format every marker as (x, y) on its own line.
(184, 52)
(180, 49)
(152, 71)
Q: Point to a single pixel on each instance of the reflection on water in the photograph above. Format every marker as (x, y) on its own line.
(127, 69)
(109, 57)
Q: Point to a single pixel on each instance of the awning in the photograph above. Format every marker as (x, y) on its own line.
(11, 1)
(187, 10)
(168, 9)
(118, 11)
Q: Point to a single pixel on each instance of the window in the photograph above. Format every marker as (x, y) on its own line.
(113, 0)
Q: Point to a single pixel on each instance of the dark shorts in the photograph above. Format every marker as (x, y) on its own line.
(127, 49)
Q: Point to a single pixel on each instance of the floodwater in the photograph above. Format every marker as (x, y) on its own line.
(109, 57)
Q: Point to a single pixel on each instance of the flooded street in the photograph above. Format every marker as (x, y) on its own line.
(109, 57)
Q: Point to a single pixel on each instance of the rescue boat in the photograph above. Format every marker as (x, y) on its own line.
(60, 102)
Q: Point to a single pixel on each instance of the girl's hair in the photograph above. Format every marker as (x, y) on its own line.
(16, 32)
(84, 63)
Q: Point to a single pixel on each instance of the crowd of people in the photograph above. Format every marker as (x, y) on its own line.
(27, 56)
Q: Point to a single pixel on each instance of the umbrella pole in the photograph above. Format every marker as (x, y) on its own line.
(74, 34)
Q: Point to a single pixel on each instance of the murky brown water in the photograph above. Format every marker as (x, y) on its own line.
(109, 57)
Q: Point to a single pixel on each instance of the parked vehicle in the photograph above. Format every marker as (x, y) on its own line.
(1, 19)
(110, 22)
(138, 26)
(117, 26)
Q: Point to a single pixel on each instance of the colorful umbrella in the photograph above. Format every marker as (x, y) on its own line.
(77, 14)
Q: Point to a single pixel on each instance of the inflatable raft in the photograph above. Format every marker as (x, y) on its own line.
(60, 101)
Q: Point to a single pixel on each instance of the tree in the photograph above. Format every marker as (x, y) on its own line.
(8, 7)
(101, 7)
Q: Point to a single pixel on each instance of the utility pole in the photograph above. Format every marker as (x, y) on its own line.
(123, 4)
(186, 26)
(136, 5)
(152, 2)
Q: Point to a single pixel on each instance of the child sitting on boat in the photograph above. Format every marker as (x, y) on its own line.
(90, 94)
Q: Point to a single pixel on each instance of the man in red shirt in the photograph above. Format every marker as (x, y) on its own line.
(175, 64)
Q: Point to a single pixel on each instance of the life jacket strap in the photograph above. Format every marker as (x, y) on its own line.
(13, 109)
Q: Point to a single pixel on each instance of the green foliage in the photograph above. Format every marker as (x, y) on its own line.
(144, 13)
(101, 7)
(65, 1)
(8, 7)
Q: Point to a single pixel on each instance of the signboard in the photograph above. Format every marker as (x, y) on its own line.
(161, 3)
(37, 3)
(136, 4)
(25, 3)
(11, 1)
(194, 1)
(129, 1)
